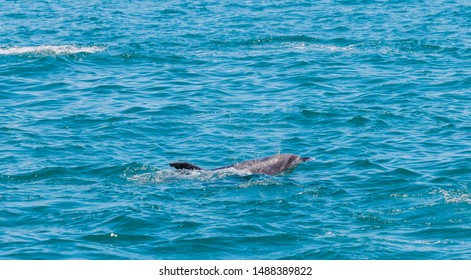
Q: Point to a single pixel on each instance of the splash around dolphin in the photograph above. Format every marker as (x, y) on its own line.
(272, 165)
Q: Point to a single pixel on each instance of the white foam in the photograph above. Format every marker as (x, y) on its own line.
(261, 182)
(50, 50)
(178, 175)
(455, 197)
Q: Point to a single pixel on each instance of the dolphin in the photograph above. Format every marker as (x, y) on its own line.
(269, 165)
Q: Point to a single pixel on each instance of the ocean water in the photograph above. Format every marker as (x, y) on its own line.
(97, 98)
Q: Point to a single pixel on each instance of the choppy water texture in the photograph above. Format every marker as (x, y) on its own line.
(97, 98)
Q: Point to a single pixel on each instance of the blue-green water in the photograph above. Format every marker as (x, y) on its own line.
(97, 98)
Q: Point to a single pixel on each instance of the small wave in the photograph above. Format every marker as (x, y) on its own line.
(50, 50)
(402, 172)
(358, 120)
(268, 40)
(366, 164)
(43, 174)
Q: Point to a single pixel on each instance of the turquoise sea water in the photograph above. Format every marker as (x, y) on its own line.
(97, 98)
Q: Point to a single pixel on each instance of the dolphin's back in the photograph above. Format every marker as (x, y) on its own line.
(269, 165)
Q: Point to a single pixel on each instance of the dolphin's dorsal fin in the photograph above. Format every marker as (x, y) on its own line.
(185, 165)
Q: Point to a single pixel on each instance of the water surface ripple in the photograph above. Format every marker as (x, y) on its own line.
(97, 99)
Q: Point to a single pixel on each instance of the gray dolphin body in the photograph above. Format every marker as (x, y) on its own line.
(269, 165)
